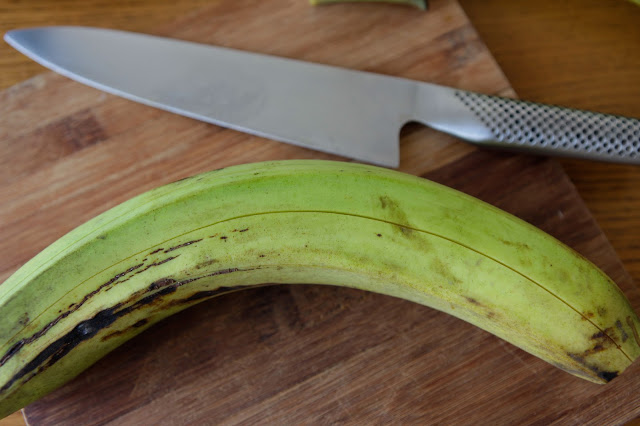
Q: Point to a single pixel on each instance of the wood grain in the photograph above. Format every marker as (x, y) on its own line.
(546, 49)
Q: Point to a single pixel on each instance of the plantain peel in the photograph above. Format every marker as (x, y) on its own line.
(304, 222)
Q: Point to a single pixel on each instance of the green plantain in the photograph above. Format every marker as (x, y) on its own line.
(302, 222)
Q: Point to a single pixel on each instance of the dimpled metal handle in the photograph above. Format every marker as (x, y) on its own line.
(553, 130)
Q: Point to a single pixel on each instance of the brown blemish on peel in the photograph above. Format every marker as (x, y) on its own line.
(383, 201)
(140, 323)
(158, 263)
(516, 244)
(24, 319)
(157, 251)
(587, 316)
(473, 301)
(206, 264)
(86, 329)
(396, 214)
(598, 335)
(188, 243)
(73, 307)
(151, 265)
(602, 339)
(405, 230)
(623, 334)
(161, 283)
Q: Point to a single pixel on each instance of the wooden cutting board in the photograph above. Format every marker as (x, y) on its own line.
(296, 354)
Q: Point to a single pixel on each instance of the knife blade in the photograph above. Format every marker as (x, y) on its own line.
(351, 113)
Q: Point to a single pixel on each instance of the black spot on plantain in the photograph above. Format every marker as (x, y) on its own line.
(157, 251)
(607, 376)
(74, 307)
(602, 341)
(12, 351)
(88, 328)
(140, 323)
(62, 346)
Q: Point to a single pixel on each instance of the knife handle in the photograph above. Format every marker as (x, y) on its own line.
(550, 130)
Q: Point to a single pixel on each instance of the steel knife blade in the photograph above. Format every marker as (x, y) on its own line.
(351, 113)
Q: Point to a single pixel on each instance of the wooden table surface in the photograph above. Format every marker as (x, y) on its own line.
(578, 53)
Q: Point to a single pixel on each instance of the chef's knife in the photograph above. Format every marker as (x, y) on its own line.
(351, 113)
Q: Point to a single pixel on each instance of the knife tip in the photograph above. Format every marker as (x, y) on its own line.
(8, 36)
(16, 37)
(26, 40)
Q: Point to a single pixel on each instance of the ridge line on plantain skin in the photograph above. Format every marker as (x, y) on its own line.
(17, 347)
(100, 235)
